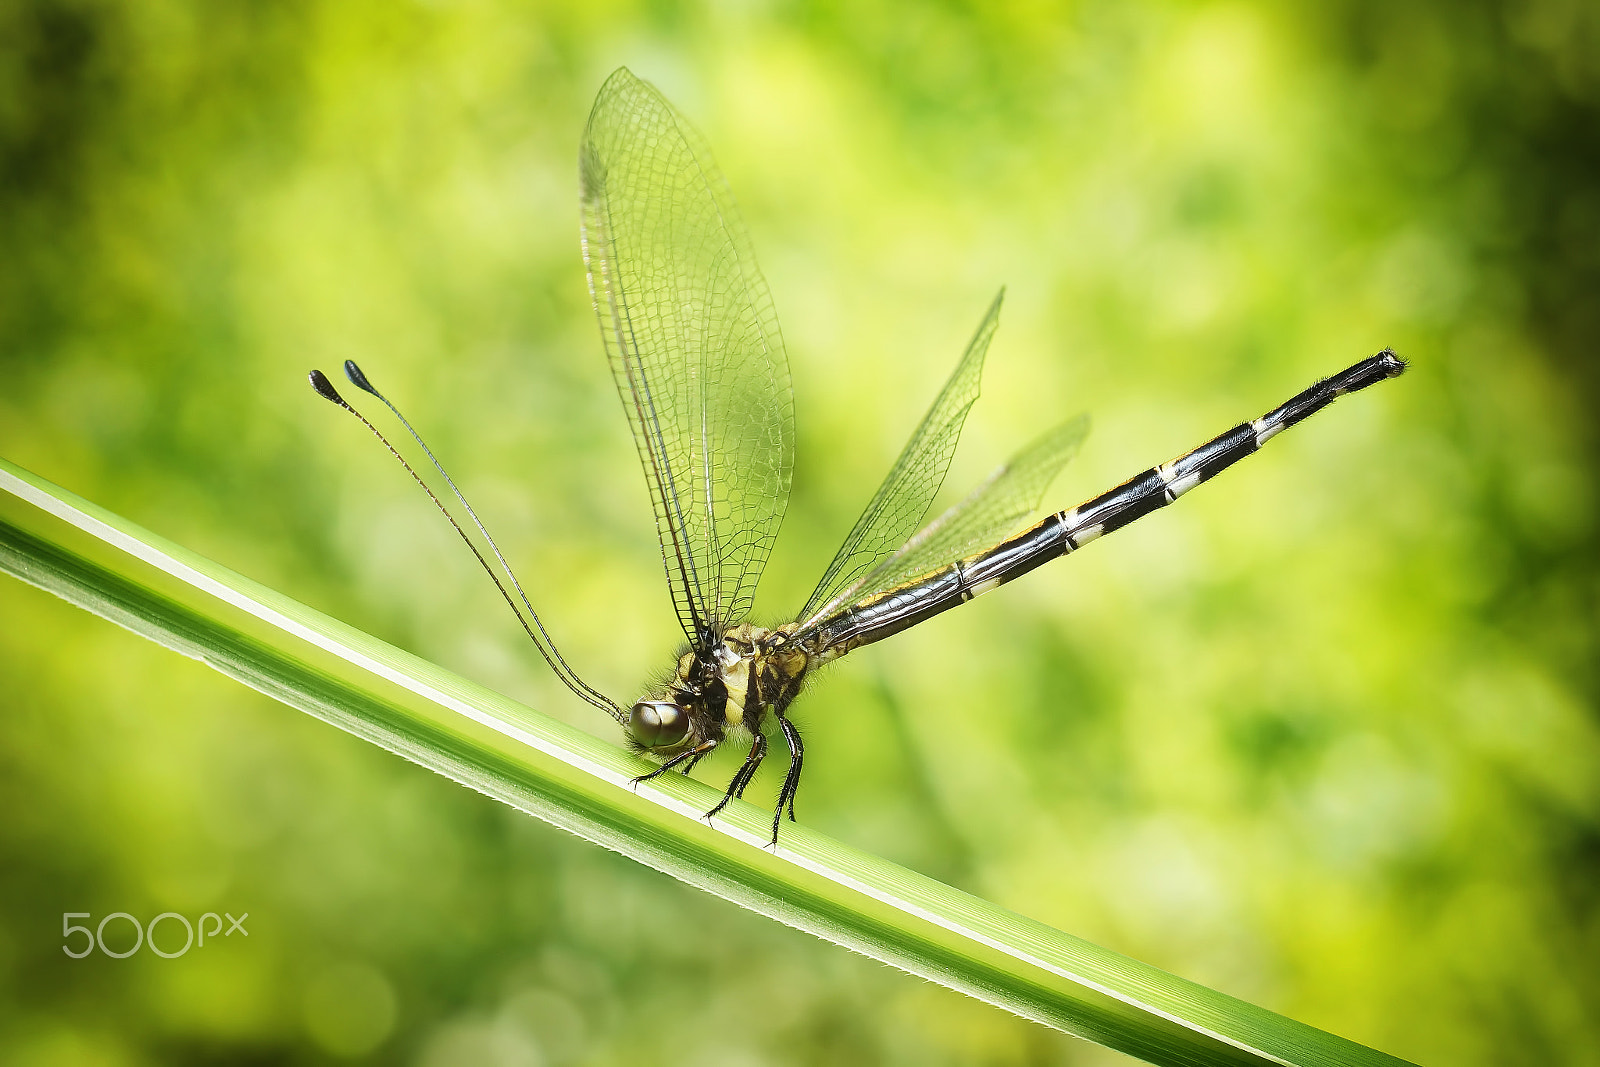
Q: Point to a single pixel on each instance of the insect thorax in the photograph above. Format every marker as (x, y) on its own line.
(756, 667)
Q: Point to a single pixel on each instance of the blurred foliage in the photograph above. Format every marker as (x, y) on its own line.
(1323, 737)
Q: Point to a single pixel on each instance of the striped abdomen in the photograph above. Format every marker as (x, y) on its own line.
(1065, 531)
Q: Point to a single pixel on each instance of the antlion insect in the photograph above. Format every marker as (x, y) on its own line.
(693, 343)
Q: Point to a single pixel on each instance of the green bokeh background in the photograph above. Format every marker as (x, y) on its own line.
(1323, 737)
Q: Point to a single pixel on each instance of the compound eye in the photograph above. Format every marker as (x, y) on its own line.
(657, 723)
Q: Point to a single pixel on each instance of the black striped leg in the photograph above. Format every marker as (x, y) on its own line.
(791, 781)
(758, 752)
(692, 756)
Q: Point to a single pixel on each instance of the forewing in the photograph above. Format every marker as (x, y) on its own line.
(902, 501)
(694, 346)
(987, 515)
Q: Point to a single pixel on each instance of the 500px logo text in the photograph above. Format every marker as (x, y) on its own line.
(145, 935)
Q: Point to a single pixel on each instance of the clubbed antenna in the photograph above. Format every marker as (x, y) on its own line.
(530, 621)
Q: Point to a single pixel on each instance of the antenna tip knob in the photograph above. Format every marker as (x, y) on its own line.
(358, 379)
(324, 388)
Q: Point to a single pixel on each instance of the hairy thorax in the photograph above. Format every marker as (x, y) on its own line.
(755, 667)
(731, 686)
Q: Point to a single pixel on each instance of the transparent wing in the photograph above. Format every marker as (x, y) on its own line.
(902, 501)
(694, 346)
(985, 517)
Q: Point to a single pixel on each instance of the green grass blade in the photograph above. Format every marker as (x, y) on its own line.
(109, 566)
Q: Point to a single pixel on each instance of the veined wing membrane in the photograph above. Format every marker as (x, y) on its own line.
(694, 347)
(986, 516)
(902, 501)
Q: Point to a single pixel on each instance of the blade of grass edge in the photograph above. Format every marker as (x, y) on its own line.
(68, 546)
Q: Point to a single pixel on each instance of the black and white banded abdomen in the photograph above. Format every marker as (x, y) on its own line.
(1068, 530)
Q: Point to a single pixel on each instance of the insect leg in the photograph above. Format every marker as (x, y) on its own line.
(758, 751)
(693, 755)
(791, 781)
